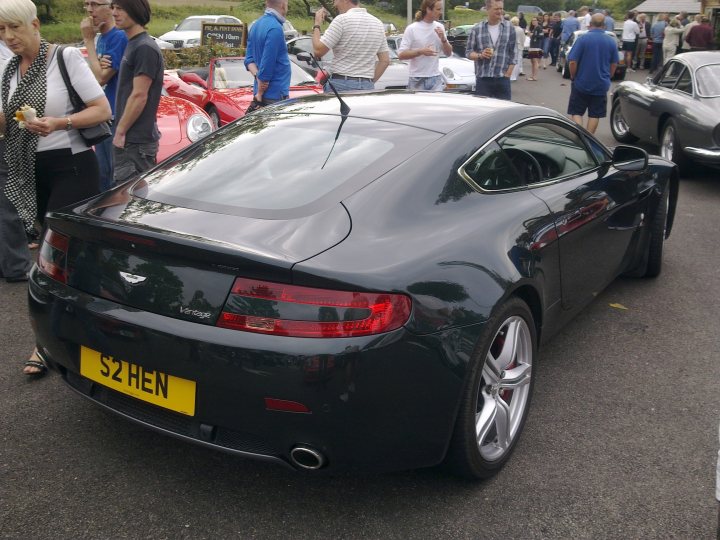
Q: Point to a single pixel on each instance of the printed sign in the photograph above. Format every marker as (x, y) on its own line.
(230, 35)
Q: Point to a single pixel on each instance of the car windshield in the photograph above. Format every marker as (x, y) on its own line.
(231, 73)
(194, 25)
(243, 170)
(708, 80)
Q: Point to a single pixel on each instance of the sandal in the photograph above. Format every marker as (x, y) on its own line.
(531, 79)
(35, 362)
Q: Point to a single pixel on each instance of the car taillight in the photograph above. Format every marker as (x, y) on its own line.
(52, 259)
(289, 310)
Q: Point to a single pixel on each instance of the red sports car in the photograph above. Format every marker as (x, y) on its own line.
(181, 123)
(224, 89)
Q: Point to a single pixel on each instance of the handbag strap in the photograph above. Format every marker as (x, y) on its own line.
(75, 99)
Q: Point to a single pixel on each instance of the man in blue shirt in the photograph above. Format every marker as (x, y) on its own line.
(266, 56)
(609, 21)
(592, 62)
(110, 46)
(657, 34)
(569, 25)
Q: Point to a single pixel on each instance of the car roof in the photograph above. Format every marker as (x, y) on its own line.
(698, 59)
(435, 111)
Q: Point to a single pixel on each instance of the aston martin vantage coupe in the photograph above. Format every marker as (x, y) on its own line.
(355, 284)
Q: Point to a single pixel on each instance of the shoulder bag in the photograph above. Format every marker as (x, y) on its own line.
(91, 135)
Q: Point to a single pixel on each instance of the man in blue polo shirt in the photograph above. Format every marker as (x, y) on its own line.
(266, 56)
(592, 62)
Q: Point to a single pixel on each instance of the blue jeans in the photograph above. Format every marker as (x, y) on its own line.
(351, 85)
(104, 154)
(495, 87)
(427, 84)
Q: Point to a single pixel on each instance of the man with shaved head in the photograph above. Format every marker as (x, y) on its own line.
(592, 62)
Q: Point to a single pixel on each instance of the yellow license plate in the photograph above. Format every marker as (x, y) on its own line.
(154, 387)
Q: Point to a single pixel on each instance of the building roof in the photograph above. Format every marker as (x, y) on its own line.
(665, 6)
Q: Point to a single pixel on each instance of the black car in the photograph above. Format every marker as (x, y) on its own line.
(677, 109)
(327, 288)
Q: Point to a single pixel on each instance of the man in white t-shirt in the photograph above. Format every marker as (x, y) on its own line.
(630, 34)
(359, 46)
(421, 44)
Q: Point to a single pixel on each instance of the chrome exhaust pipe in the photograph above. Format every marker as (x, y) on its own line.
(306, 458)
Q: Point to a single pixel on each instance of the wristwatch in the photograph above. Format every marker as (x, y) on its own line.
(317, 26)
(68, 123)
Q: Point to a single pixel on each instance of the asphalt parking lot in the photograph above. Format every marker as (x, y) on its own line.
(621, 440)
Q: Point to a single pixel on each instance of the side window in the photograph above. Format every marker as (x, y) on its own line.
(556, 150)
(597, 149)
(684, 83)
(491, 170)
(670, 75)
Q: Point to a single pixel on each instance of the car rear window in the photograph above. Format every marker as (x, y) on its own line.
(708, 80)
(280, 162)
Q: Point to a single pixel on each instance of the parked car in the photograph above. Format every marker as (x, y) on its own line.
(457, 71)
(224, 89)
(187, 33)
(394, 78)
(563, 68)
(677, 109)
(181, 123)
(288, 30)
(360, 287)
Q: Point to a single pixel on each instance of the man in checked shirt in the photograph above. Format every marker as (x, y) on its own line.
(491, 45)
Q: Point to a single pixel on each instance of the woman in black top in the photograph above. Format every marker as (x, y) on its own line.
(535, 31)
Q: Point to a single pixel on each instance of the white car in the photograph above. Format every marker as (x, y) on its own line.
(288, 30)
(458, 72)
(187, 33)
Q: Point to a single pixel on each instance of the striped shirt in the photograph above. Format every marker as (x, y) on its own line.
(355, 38)
(504, 46)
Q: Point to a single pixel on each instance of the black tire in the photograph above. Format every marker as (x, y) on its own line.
(495, 401)
(618, 126)
(558, 67)
(670, 146)
(214, 116)
(565, 71)
(658, 231)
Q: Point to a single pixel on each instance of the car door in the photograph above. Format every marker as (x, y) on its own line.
(594, 206)
(644, 105)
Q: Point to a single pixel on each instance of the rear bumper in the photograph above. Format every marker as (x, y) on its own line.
(383, 402)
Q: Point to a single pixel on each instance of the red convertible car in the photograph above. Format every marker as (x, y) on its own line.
(224, 89)
(181, 123)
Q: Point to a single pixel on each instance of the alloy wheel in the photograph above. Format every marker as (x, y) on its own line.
(619, 125)
(504, 389)
(667, 145)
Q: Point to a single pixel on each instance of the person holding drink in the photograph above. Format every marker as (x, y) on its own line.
(491, 45)
(420, 45)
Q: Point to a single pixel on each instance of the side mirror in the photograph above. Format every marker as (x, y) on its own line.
(304, 57)
(194, 78)
(629, 158)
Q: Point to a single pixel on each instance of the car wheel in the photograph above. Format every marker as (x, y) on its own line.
(559, 67)
(670, 145)
(618, 125)
(214, 116)
(658, 232)
(496, 398)
(566, 71)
